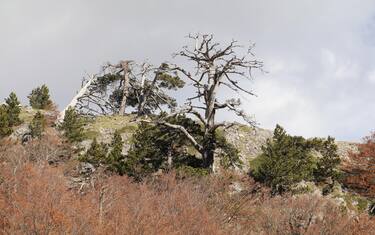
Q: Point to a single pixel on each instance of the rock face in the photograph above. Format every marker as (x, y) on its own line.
(248, 140)
(22, 132)
(19, 132)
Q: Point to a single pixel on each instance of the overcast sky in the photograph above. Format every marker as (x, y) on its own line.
(319, 54)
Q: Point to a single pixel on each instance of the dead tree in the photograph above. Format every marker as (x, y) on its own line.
(151, 86)
(142, 87)
(73, 103)
(93, 98)
(216, 67)
(126, 84)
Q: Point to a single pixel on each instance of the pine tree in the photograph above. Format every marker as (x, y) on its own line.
(72, 126)
(13, 109)
(115, 158)
(158, 147)
(287, 160)
(40, 98)
(327, 164)
(96, 154)
(5, 128)
(37, 125)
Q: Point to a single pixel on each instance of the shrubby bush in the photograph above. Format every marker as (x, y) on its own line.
(40, 98)
(163, 205)
(287, 160)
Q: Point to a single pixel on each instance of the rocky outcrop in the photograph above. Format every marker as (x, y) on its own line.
(248, 141)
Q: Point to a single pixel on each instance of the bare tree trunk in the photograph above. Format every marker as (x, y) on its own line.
(210, 97)
(125, 86)
(145, 94)
(209, 132)
(216, 67)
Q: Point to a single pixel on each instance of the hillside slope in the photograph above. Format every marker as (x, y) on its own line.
(247, 139)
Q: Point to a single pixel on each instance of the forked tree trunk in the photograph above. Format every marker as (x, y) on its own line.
(125, 86)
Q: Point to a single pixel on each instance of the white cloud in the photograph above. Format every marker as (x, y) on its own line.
(371, 76)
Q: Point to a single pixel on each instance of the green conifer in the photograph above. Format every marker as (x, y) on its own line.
(40, 98)
(5, 129)
(13, 109)
(330, 159)
(72, 126)
(37, 125)
(115, 158)
(96, 154)
(287, 160)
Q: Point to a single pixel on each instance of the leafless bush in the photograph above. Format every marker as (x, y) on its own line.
(36, 199)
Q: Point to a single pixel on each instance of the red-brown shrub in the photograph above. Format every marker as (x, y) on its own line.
(360, 169)
(36, 198)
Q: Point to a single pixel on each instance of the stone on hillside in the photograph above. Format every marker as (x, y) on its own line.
(19, 132)
(86, 168)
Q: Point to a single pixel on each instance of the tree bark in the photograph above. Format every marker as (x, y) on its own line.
(209, 125)
(125, 86)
